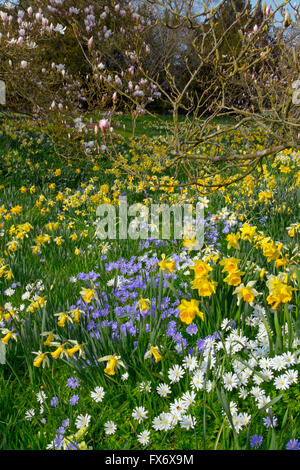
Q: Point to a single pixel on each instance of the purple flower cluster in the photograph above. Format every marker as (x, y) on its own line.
(116, 311)
(58, 441)
(73, 382)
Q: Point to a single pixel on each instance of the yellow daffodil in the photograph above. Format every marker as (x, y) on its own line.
(153, 351)
(166, 265)
(230, 264)
(143, 304)
(191, 244)
(6, 338)
(76, 314)
(113, 362)
(41, 359)
(248, 232)
(78, 347)
(201, 268)
(87, 294)
(55, 354)
(247, 293)
(233, 240)
(49, 339)
(234, 278)
(188, 310)
(62, 318)
(279, 291)
(206, 287)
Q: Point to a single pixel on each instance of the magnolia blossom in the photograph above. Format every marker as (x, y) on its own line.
(104, 125)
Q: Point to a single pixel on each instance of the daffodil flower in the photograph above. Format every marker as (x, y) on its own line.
(49, 339)
(247, 293)
(166, 265)
(113, 362)
(143, 304)
(188, 310)
(58, 351)
(63, 317)
(8, 336)
(87, 294)
(76, 348)
(153, 351)
(76, 314)
(41, 359)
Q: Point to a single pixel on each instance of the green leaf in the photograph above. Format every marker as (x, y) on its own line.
(271, 403)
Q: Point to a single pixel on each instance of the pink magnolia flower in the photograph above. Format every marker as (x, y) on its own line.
(104, 125)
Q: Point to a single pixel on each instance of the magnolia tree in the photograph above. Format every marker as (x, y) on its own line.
(207, 60)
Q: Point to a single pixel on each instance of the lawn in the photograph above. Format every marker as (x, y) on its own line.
(145, 344)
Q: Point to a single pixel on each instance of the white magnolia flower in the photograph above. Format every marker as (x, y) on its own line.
(59, 28)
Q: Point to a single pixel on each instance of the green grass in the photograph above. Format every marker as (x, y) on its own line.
(20, 381)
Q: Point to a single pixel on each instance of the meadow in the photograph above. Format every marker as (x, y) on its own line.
(146, 344)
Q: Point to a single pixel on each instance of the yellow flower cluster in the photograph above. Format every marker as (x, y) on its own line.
(202, 281)
(279, 291)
